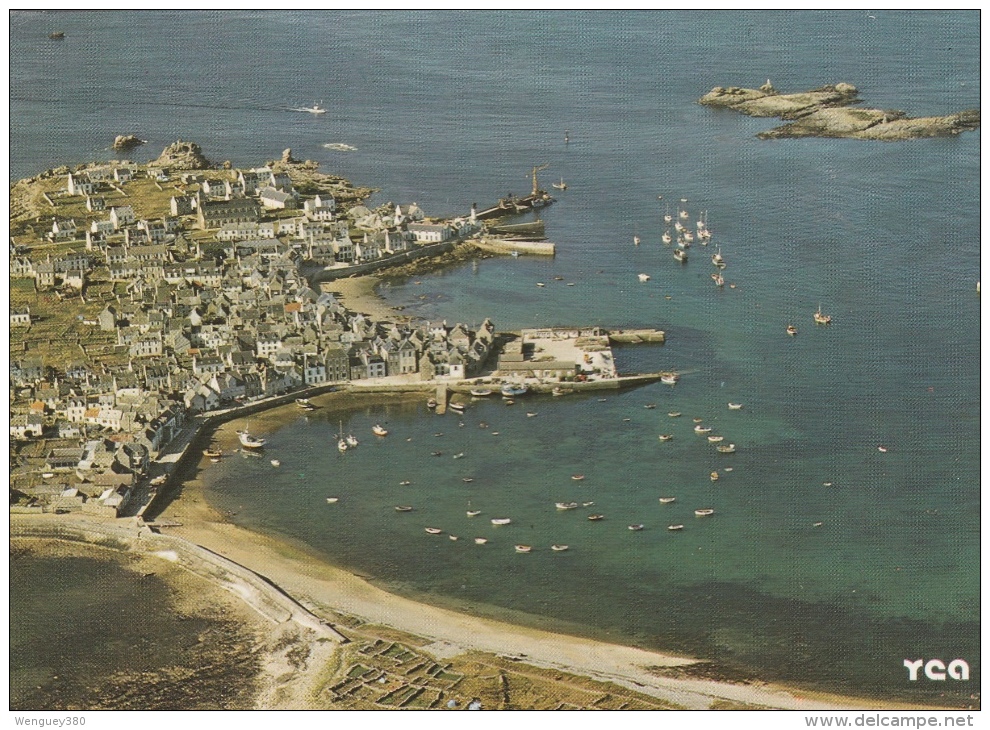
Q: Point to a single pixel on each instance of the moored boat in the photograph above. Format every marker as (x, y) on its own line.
(213, 454)
(453, 538)
(674, 414)
(333, 500)
(510, 390)
(276, 462)
(791, 330)
(501, 521)
(643, 277)
(675, 528)
(524, 548)
(351, 440)
(667, 500)
(822, 318)
(341, 445)
(713, 476)
(716, 439)
(707, 512)
(566, 505)
(473, 512)
(702, 429)
(635, 528)
(557, 548)
(378, 430)
(727, 449)
(669, 378)
(459, 407)
(433, 530)
(248, 441)
(735, 406)
(431, 403)
(596, 518)
(666, 436)
(577, 477)
(403, 508)
(481, 392)
(680, 254)
(480, 540)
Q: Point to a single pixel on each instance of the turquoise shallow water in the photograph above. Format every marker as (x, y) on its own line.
(885, 237)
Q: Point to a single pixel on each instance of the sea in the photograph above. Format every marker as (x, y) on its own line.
(828, 561)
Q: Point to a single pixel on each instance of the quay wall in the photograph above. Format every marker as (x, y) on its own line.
(536, 248)
(263, 596)
(405, 257)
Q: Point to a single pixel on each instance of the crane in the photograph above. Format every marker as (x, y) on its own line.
(536, 187)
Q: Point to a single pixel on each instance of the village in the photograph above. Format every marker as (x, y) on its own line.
(172, 293)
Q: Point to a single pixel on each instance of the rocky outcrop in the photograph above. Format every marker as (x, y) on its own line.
(182, 155)
(124, 142)
(827, 112)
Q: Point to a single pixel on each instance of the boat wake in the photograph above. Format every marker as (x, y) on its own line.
(340, 147)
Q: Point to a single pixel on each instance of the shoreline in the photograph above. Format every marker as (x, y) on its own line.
(332, 592)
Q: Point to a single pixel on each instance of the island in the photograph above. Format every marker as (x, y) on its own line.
(828, 112)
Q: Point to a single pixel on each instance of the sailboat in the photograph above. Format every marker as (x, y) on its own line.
(666, 237)
(822, 318)
(559, 186)
(248, 441)
(683, 211)
(341, 441)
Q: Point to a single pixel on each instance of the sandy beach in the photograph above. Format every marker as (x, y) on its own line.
(358, 294)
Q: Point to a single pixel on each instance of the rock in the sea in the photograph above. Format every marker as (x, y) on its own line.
(125, 142)
(287, 156)
(829, 112)
(183, 156)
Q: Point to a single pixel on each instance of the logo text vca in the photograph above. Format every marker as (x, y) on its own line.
(935, 669)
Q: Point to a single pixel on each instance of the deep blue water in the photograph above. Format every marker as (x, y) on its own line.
(450, 108)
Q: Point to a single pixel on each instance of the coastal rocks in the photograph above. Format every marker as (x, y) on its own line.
(124, 142)
(183, 156)
(825, 112)
(287, 157)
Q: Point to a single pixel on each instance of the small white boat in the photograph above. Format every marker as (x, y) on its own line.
(403, 508)
(727, 449)
(667, 500)
(678, 226)
(566, 505)
(431, 404)
(635, 528)
(405, 483)
(467, 480)
(688, 236)
(559, 548)
(501, 521)
(531, 414)
(473, 512)
(433, 530)
(718, 279)
(248, 441)
(378, 430)
(481, 392)
(276, 462)
(577, 477)
(540, 284)
(717, 259)
(674, 414)
(735, 406)
(305, 404)
(670, 379)
(524, 548)
(716, 439)
(351, 441)
(453, 538)
(882, 449)
(680, 254)
(596, 518)
(818, 524)
(156, 482)
(713, 476)
(822, 318)
(666, 437)
(666, 237)
(704, 512)
(509, 390)
(315, 109)
(459, 407)
(333, 500)
(561, 185)
(791, 330)
(459, 455)
(341, 445)
(643, 277)
(702, 429)
(675, 528)
(480, 540)
(635, 240)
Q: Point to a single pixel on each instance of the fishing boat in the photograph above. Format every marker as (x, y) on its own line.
(566, 505)
(510, 390)
(333, 500)
(433, 530)
(666, 437)
(212, 454)
(675, 528)
(524, 548)
(577, 477)
(643, 277)
(822, 318)
(680, 254)
(404, 508)
(378, 430)
(559, 548)
(248, 441)
(704, 512)
(480, 540)
(596, 518)
(276, 462)
(481, 392)
(473, 512)
(702, 429)
(726, 449)
(670, 379)
(635, 528)
(501, 521)
(735, 406)
(791, 330)
(667, 500)
(431, 403)
(559, 186)
(714, 476)
(715, 439)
